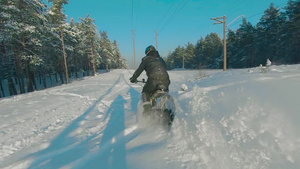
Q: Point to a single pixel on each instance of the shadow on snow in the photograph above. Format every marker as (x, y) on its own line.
(66, 150)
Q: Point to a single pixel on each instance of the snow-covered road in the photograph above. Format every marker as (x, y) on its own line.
(233, 119)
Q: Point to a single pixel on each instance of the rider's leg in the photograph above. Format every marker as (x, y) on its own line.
(145, 97)
(146, 101)
(148, 89)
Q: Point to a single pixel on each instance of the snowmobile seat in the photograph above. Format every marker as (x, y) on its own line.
(159, 93)
(161, 87)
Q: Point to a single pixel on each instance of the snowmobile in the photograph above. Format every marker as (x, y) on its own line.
(160, 110)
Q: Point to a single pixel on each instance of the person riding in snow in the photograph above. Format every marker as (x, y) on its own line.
(158, 77)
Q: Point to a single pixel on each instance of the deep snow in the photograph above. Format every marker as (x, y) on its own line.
(233, 119)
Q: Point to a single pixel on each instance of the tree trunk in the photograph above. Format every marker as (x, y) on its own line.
(40, 77)
(64, 54)
(56, 78)
(89, 69)
(2, 49)
(2, 90)
(50, 76)
(93, 59)
(18, 67)
(22, 85)
(33, 80)
(61, 77)
(76, 67)
(11, 87)
(44, 80)
(28, 79)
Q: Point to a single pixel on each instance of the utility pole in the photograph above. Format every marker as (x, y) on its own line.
(218, 21)
(134, 62)
(156, 39)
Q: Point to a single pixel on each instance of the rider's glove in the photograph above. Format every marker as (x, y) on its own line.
(132, 80)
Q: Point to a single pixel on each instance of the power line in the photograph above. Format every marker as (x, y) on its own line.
(237, 5)
(134, 13)
(165, 14)
(247, 18)
(131, 13)
(176, 11)
(137, 13)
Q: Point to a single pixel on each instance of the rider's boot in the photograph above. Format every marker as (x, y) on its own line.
(146, 106)
(147, 109)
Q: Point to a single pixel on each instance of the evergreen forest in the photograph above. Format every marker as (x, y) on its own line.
(275, 37)
(38, 44)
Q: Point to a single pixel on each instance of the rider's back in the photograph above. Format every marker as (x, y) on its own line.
(155, 66)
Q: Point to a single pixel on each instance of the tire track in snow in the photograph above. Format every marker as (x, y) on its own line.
(115, 135)
(80, 138)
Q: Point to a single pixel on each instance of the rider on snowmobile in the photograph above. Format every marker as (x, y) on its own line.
(158, 77)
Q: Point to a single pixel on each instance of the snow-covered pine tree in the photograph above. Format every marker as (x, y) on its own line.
(106, 50)
(21, 23)
(73, 48)
(118, 61)
(190, 56)
(233, 49)
(269, 30)
(58, 21)
(246, 38)
(89, 41)
(174, 59)
(208, 51)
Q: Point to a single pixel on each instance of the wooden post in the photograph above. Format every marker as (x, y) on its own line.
(134, 62)
(224, 36)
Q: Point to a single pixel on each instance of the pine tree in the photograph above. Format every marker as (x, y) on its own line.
(190, 56)
(292, 35)
(177, 58)
(199, 48)
(90, 37)
(106, 50)
(246, 35)
(268, 37)
(21, 23)
(58, 20)
(35, 42)
(73, 48)
(119, 62)
(233, 50)
(208, 51)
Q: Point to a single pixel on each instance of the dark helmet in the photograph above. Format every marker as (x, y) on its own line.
(149, 49)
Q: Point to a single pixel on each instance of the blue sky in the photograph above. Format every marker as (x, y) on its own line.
(176, 21)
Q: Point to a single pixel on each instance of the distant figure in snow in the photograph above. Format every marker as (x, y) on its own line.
(264, 69)
(269, 63)
(156, 71)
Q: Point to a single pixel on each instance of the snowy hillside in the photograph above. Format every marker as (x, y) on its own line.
(234, 119)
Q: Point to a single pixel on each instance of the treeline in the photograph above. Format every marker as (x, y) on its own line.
(36, 42)
(276, 37)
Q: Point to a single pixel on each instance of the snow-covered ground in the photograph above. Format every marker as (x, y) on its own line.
(234, 119)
